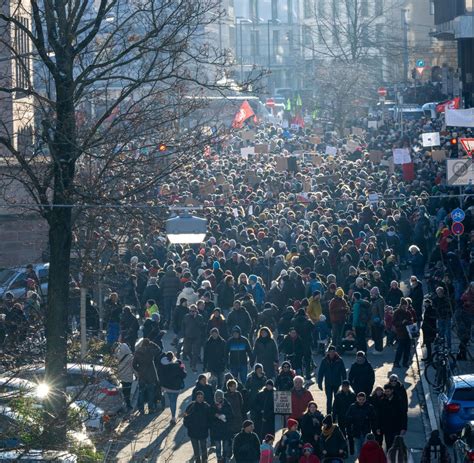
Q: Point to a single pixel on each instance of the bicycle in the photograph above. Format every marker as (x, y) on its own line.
(442, 366)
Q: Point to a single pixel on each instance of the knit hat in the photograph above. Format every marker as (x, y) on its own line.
(218, 395)
(339, 292)
(360, 353)
(269, 437)
(291, 422)
(247, 423)
(236, 329)
(307, 446)
(269, 382)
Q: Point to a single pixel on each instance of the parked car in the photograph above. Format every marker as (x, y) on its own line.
(38, 456)
(93, 383)
(456, 405)
(14, 281)
(14, 387)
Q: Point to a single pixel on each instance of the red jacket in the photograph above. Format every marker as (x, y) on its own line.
(299, 402)
(371, 452)
(310, 459)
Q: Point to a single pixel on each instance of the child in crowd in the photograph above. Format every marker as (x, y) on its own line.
(266, 449)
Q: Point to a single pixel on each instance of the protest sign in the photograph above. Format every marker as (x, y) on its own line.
(316, 160)
(372, 124)
(315, 140)
(247, 151)
(249, 135)
(261, 148)
(401, 156)
(376, 156)
(351, 145)
(357, 131)
(438, 155)
(331, 151)
(281, 164)
(430, 139)
(282, 402)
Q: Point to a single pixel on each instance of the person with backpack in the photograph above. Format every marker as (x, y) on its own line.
(435, 451)
(360, 318)
(197, 418)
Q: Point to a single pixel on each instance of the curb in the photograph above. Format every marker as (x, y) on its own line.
(426, 388)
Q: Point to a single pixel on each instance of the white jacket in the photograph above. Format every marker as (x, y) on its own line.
(189, 295)
(125, 361)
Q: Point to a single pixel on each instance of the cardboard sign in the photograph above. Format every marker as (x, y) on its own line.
(430, 139)
(249, 135)
(281, 164)
(373, 125)
(247, 151)
(358, 131)
(315, 140)
(331, 151)
(316, 160)
(438, 155)
(261, 148)
(351, 145)
(401, 156)
(282, 402)
(376, 156)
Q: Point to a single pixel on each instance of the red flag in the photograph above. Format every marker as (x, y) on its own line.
(408, 172)
(242, 115)
(455, 103)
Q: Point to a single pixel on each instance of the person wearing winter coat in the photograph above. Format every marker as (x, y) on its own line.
(246, 445)
(221, 434)
(444, 310)
(308, 455)
(238, 354)
(225, 293)
(394, 417)
(394, 294)
(399, 391)
(172, 375)
(333, 442)
(300, 398)
(265, 351)
(197, 420)
(361, 420)
(310, 425)
(234, 397)
(214, 359)
(129, 327)
(189, 294)
(304, 327)
(435, 451)
(290, 444)
(428, 327)
(314, 308)
(418, 262)
(399, 452)
(179, 312)
(377, 309)
(170, 286)
(263, 411)
(267, 451)
(255, 382)
(362, 375)
(205, 388)
(257, 291)
(416, 295)
(401, 319)
(152, 291)
(239, 316)
(124, 357)
(360, 320)
(145, 361)
(332, 371)
(344, 398)
(293, 348)
(268, 316)
(193, 330)
(338, 311)
(285, 377)
(217, 320)
(371, 452)
(376, 399)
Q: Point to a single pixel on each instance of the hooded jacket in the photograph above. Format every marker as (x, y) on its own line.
(188, 294)
(170, 284)
(145, 360)
(338, 310)
(371, 452)
(362, 377)
(333, 372)
(214, 355)
(124, 356)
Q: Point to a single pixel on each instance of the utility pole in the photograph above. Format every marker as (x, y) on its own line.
(405, 43)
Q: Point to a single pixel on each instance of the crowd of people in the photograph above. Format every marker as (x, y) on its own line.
(300, 260)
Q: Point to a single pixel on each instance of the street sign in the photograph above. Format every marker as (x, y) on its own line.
(382, 91)
(457, 228)
(460, 172)
(458, 215)
(468, 145)
(420, 63)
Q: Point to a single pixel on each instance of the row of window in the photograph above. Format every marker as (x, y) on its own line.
(21, 46)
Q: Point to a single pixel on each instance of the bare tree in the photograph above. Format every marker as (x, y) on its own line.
(119, 77)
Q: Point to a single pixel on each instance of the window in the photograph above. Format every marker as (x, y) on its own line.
(364, 8)
(378, 7)
(364, 36)
(464, 394)
(22, 61)
(379, 33)
(307, 36)
(308, 9)
(321, 7)
(276, 42)
(255, 43)
(290, 11)
(274, 9)
(432, 7)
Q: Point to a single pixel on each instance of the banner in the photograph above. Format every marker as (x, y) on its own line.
(460, 117)
(242, 115)
(455, 103)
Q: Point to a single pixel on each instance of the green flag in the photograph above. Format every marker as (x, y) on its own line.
(299, 102)
(288, 105)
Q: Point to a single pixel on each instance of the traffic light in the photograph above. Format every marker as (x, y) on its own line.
(454, 145)
(162, 147)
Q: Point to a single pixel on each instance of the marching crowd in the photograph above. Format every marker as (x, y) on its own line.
(298, 261)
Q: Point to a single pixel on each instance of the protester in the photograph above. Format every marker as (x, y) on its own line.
(435, 451)
(290, 444)
(371, 452)
(239, 354)
(263, 411)
(266, 449)
(220, 426)
(332, 371)
(214, 359)
(234, 397)
(246, 446)
(265, 351)
(362, 375)
(300, 398)
(361, 420)
(197, 421)
(310, 425)
(193, 329)
(124, 357)
(206, 389)
(393, 416)
(399, 452)
(333, 442)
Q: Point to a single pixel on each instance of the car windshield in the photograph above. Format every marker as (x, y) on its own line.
(5, 275)
(464, 394)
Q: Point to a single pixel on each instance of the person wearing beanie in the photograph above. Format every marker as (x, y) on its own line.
(361, 419)
(285, 377)
(308, 455)
(315, 308)
(193, 327)
(255, 382)
(290, 445)
(221, 434)
(360, 319)
(338, 311)
(304, 328)
(239, 354)
(265, 351)
(239, 316)
(256, 290)
(371, 452)
(197, 420)
(214, 356)
(206, 389)
(344, 398)
(333, 442)
(332, 371)
(362, 374)
(246, 445)
(313, 285)
(266, 449)
(262, 410)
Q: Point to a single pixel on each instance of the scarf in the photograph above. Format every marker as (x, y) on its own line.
(327, 432)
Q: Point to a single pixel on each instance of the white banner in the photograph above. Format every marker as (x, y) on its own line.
(460, 117)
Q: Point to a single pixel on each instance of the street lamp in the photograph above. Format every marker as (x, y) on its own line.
(186, 228)
(239, 20)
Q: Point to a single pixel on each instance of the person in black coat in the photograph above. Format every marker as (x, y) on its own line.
(362, 375)
(429, 328)
(197, 418)
(263, 411)
(344, 398)
(293, 348)
(394, 416)
(206, 389)
(265, 351)
(304, 328)
(221, 433)
(152, 291)
(416, 296)
(255, 382)
(246, 446)
(129, 327)
(310, 425)
(376, 400)
(214, 360)
(333, 372)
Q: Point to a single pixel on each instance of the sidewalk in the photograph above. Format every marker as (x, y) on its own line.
(151, 439)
